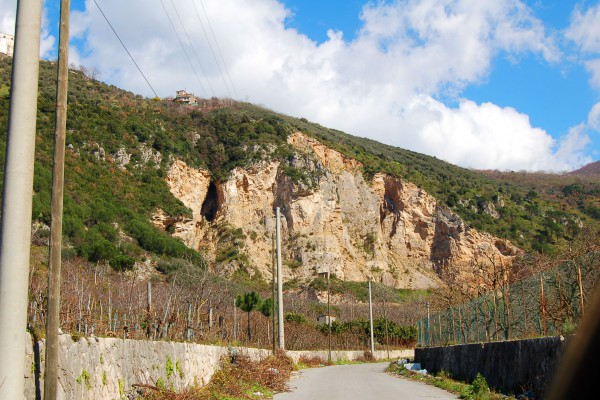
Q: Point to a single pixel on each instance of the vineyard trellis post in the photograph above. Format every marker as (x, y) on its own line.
(148, 307)
(507, 310)
(427, 328)
(543, 304)
(580, 291)
(524, 310)
(189, 322)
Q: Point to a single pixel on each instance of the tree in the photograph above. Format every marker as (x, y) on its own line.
(266, 309)
(248, 302)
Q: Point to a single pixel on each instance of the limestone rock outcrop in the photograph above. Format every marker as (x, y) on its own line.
(387, 229)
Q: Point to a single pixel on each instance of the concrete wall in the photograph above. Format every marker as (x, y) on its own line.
(347, 355)
(509, 367)
(106, 368)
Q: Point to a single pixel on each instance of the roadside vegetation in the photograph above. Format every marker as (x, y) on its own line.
(240, 379)
(476, 390)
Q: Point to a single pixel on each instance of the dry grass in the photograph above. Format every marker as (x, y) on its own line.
(238, 380)
(311, 361)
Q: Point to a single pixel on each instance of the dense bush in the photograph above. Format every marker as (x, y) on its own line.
(383, 330)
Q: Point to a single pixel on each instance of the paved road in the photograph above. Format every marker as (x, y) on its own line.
(357, 382)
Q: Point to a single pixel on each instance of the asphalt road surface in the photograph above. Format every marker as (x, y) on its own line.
(357, 382)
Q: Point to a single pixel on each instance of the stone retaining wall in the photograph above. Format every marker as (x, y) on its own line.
(106, 368)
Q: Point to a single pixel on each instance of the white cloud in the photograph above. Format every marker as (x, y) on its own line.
(7, 16)
(594, 117)
(484, 136)
(570, 150)
(593, 67)
(8, 11)
(584, 30)
(380, 85)
(47, 40)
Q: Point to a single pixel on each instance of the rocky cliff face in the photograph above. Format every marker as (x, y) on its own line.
(387, 229)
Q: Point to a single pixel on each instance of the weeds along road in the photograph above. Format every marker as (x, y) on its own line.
(357, 382)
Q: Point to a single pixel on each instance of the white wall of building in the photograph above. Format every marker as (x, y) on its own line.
(7, 44)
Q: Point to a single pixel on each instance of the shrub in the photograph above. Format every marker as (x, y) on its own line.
(122, 263)
(295, 317)
(478, 390)
(368, 356)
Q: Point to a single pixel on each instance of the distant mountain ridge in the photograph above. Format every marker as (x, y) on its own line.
(589, 169)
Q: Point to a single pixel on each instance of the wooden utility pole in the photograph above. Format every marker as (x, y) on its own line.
(15, 239)
(58, 173)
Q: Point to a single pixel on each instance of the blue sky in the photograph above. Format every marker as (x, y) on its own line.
(494, 84)
(554, 96)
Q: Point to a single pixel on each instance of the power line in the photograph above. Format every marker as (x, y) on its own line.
(218, 48)
(125, 47)
(183, 47)
(193, 48)
(211, 49)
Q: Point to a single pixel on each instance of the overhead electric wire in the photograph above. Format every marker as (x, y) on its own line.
(183, 48)
(125, 47)
(219, 49)
(193, 48)
(212, 50)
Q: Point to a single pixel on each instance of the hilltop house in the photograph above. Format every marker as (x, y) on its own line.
(182, 96)
(7, 44)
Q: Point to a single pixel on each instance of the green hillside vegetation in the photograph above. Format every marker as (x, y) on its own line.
(107, 207)
(572, 191)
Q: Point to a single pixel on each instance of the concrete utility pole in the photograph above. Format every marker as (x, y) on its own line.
(58, 174)
(328, 319)
(15, 242)
(371, 320)
(279, 282)
(273, 294)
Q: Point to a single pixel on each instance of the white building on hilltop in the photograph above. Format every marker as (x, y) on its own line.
(181, 96)
(7, 44)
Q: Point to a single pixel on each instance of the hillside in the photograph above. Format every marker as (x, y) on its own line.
(128, 156)
(577, 190)
(592, 169)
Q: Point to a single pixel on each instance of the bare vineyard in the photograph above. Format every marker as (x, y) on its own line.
(533, 298)
(193, 305)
